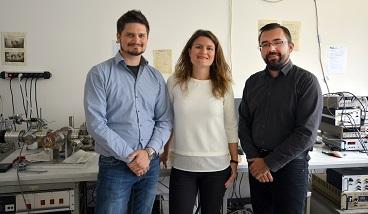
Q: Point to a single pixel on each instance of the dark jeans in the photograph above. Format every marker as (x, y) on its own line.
(185, 185)
(286, 194)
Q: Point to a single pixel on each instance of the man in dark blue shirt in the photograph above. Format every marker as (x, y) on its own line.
(279, 116)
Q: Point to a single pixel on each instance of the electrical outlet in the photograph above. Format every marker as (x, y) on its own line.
(9, 207)
(19, 201)
(57, 199)
(7, 204)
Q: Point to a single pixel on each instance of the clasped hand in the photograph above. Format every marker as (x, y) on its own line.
(140, 162)
(259, 170)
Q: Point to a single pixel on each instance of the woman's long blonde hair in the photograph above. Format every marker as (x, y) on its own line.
(220, 74)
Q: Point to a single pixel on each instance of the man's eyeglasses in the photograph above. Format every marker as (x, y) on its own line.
(276, 44)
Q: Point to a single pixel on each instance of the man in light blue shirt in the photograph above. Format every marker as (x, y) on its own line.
(129, 116)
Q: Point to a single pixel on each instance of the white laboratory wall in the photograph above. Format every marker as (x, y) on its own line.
(68, 37)
(341, 23)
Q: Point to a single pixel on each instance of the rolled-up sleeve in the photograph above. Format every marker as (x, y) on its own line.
(231, 126)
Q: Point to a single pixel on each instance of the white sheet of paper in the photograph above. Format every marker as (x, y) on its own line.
(80, 157)
(336, 62)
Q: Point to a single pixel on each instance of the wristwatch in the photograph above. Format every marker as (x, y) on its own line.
(151, 152)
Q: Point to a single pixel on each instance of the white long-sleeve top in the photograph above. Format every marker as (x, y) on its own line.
(203, 126)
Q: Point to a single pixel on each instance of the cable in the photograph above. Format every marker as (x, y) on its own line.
(234, 189)
(21, 91)
(360, 102)
(241, 178)
(164, 185)
(319, 46)
(12, 96)
(360, 139)
(246, 211)
(2, 107)
(36, 101)
(18, 178)
(12, 99)
(198, 207)
(342, 94)
(344, 114)
(30, 99)
(25, 89)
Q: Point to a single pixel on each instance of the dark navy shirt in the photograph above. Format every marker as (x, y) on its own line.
(280, 115)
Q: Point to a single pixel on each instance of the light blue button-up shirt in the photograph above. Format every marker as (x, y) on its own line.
(125, 113)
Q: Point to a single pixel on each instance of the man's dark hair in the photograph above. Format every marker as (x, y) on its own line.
(273, 26)
(132, 16)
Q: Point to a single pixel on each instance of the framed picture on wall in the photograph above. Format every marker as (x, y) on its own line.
(13, 50)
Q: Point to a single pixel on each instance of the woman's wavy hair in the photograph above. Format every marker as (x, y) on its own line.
(220, 74)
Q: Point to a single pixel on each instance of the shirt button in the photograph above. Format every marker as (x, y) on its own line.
(141, 140)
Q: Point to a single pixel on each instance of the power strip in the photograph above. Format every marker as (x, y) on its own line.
(37, 75)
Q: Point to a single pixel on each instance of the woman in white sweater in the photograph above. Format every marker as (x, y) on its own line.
(204, 141)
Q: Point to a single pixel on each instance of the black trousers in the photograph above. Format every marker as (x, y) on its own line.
(185, 185)
(286, 194)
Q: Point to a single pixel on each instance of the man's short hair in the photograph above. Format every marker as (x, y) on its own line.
(132, 16)
(272, 26)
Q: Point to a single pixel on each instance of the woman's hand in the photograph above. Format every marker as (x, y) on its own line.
(164, 157)
(234, 173)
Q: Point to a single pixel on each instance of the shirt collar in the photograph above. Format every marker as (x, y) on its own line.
(285, 70)
(119, 58)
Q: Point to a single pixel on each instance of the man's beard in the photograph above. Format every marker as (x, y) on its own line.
(133, 52)
(275, 65)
